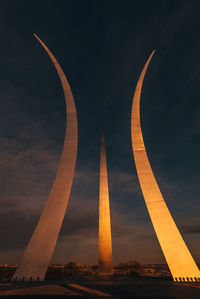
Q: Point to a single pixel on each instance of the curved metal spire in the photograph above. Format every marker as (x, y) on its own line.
(177, 255)
(39, 251)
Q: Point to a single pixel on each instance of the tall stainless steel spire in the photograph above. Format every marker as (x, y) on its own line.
(178, 257)
(39, 251)
(105, 240)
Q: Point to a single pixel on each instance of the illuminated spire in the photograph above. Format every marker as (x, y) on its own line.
(39, 251)
(177, 255)
(105, 241)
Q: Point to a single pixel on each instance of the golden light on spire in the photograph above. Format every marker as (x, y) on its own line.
(41, 246)
(178, 257)
(105, 241)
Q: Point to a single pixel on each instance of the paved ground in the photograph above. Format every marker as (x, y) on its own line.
(120, 286)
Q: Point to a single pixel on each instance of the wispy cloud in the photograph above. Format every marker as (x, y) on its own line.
(190, 229)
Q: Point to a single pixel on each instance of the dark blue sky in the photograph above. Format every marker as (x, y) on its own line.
(102, 47)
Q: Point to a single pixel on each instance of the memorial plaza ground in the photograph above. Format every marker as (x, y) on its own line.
(116, 286)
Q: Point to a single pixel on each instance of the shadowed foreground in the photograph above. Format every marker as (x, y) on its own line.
(120, 285)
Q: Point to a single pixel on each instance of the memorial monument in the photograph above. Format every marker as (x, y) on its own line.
(38, 253)
(177, 255)
(105, 240)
